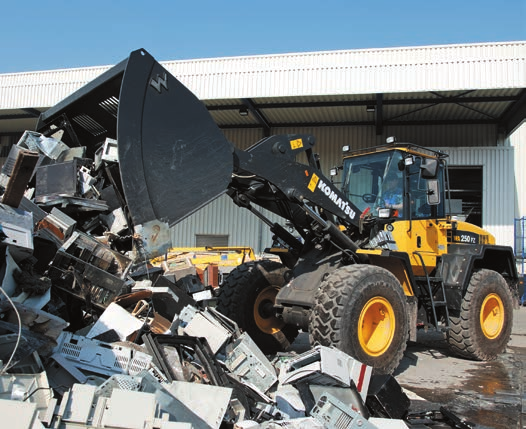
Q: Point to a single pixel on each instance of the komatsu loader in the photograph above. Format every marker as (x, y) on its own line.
(352, 269)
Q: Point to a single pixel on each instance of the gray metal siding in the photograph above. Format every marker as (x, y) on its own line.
(222, 216)
(518, 141)
(498, 178)
(329, 140)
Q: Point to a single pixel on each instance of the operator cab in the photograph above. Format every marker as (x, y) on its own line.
(396, 182)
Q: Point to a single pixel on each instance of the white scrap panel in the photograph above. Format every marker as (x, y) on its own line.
(208, 402)
(19, 415)
(334, 414)
(117, 319)
(129, 410)
(247, 361)
(77, 404)
(382, 423)
(329, 367)
(204, 325)
(100, 357)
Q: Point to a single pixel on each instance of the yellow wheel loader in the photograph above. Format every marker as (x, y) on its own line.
(361, 270)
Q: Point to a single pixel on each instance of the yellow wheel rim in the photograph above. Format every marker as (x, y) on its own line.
(264, 316)
(376, 326)
(492, 316)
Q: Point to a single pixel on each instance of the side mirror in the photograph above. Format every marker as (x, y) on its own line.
(429, 168)
(433, 192)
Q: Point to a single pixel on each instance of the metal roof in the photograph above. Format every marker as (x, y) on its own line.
(432, 108)
(453, 84)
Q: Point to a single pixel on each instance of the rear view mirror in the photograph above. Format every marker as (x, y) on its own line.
(433, 192)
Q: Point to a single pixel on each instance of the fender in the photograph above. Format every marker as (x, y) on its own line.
(457, 266)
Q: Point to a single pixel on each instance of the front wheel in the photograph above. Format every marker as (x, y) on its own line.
(248, 296)
(361, 310)
(482, 328)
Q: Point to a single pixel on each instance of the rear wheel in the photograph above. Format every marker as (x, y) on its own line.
(248, 296)
(482, 328)
(361, 310)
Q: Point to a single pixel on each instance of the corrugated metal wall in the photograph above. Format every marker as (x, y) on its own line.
(518, 141)
(222, 216)
(446, 135)
(498, 181)
(499, 197)
(329, 140)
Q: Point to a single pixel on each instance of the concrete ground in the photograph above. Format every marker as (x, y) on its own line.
(489, 394)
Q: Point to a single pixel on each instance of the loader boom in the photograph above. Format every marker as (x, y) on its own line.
(269, 175)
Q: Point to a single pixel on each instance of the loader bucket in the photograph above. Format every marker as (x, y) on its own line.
(173, 159)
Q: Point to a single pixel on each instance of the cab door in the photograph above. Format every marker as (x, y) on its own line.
(418, 232)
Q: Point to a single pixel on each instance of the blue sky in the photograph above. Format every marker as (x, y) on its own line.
(53, 34)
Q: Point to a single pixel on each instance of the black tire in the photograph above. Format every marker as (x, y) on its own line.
(247, 297)
(349, 302)
(469, 336)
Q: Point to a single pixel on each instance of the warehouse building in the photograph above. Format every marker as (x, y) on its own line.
(468, 100)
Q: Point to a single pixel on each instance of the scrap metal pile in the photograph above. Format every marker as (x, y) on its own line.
(94, 335)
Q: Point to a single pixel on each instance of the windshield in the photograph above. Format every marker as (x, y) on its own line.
(381, 180)
(365, 176)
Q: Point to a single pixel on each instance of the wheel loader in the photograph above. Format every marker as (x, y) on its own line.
(349, 267)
